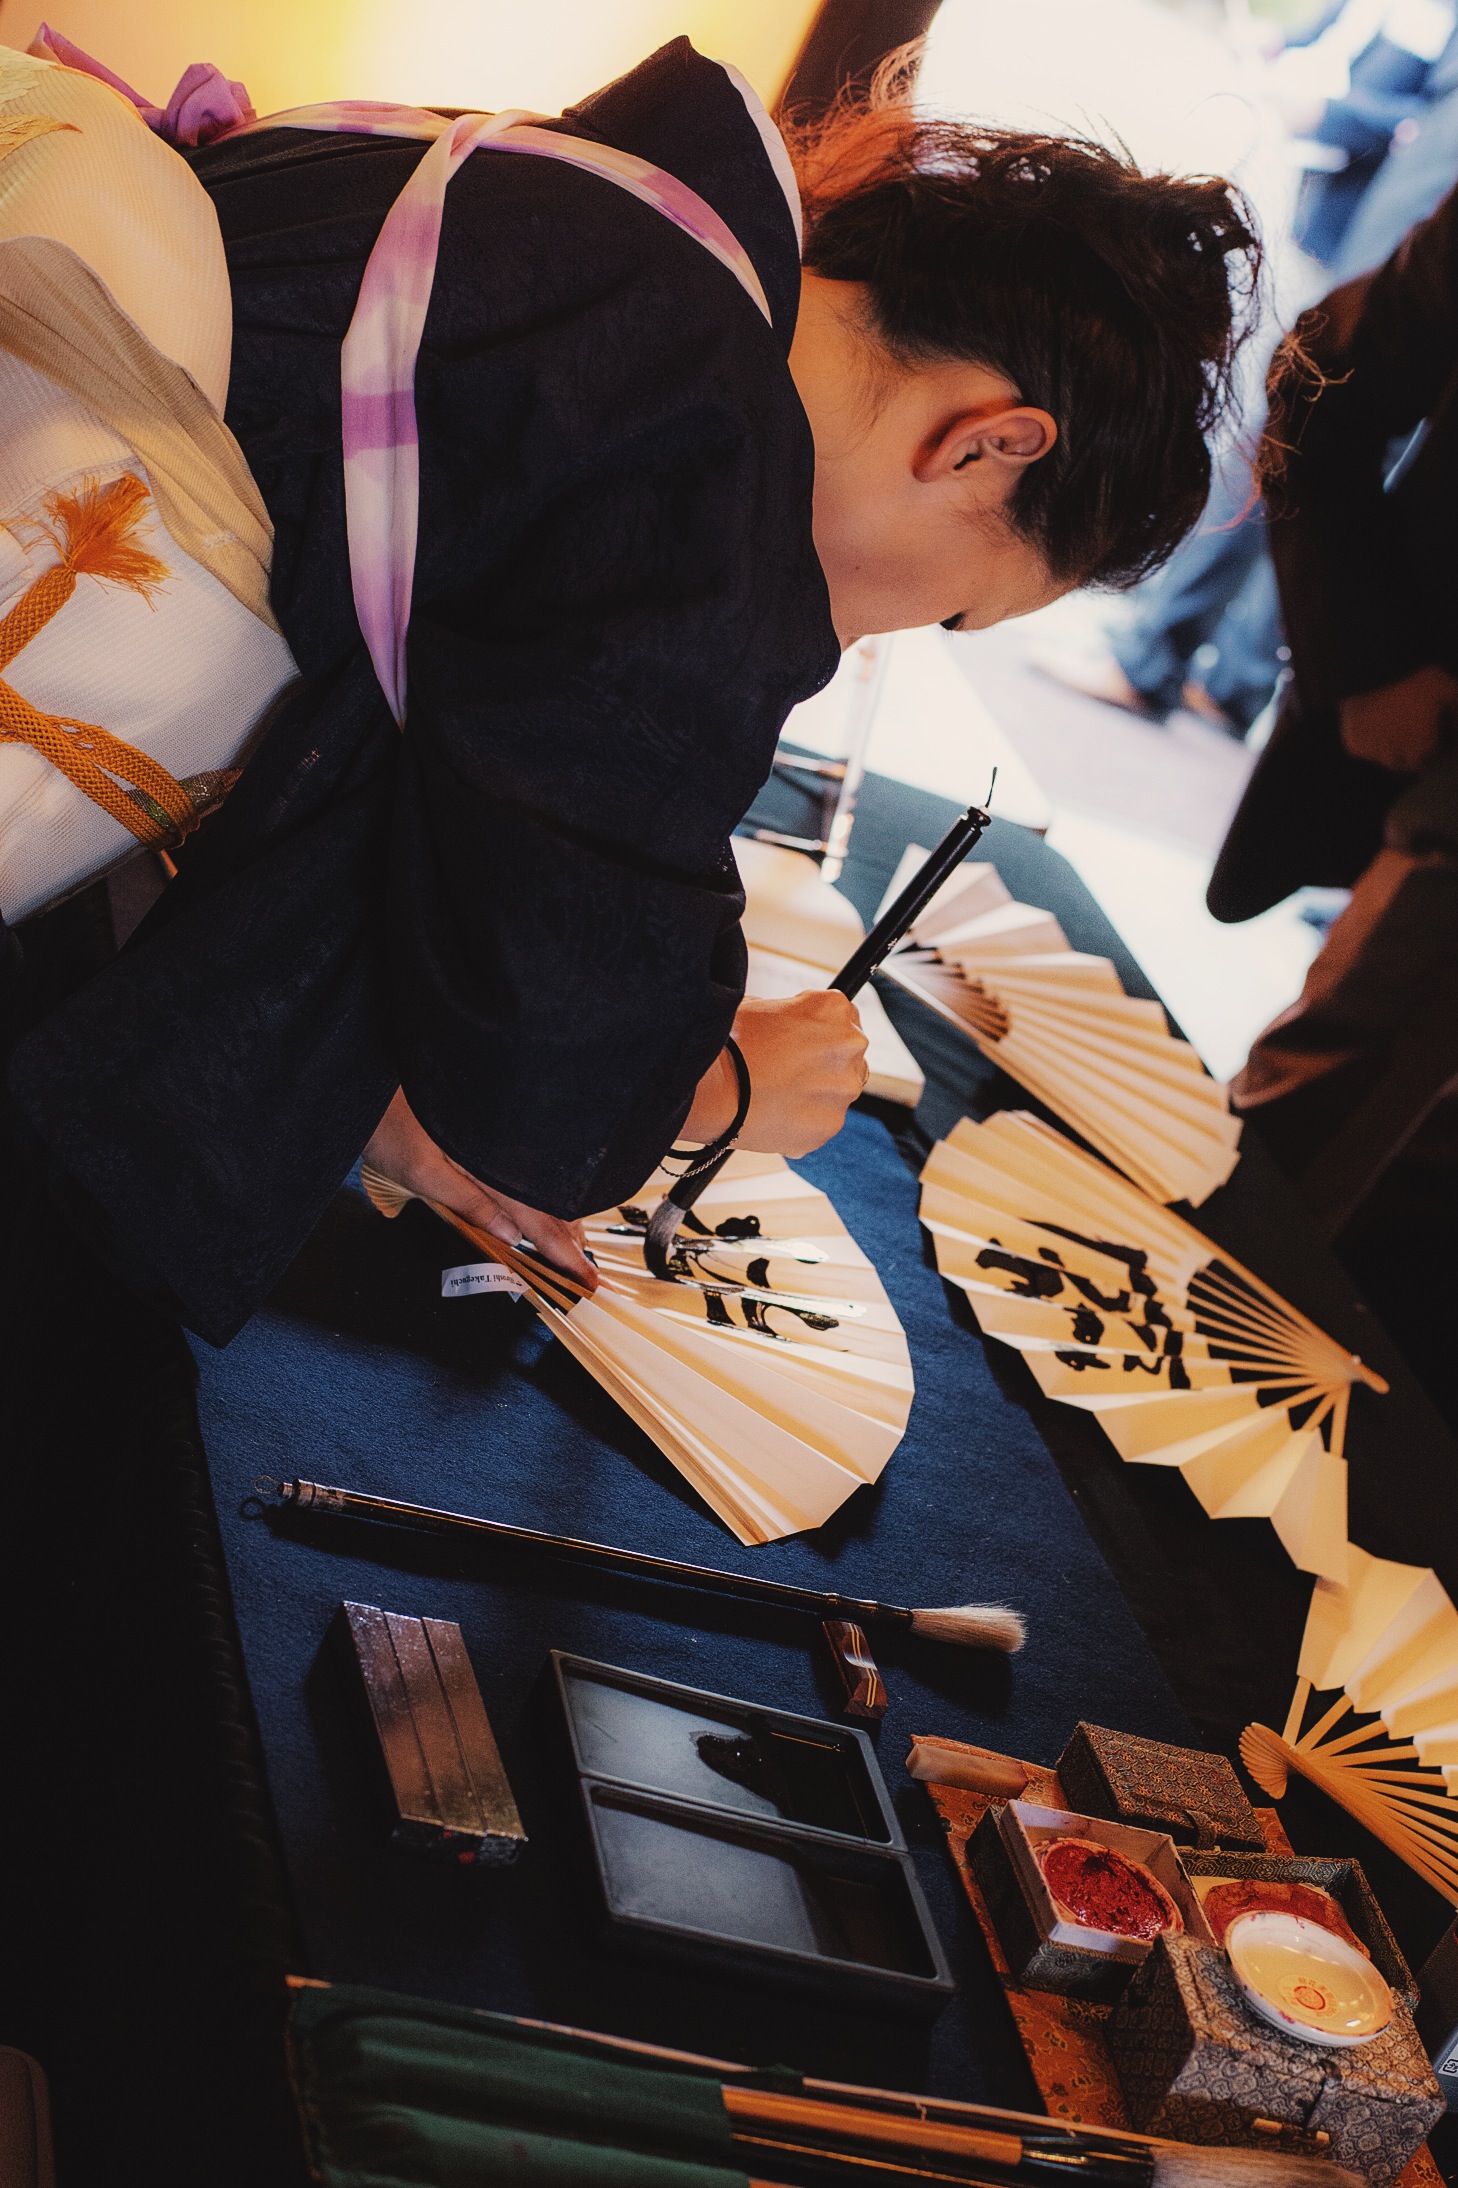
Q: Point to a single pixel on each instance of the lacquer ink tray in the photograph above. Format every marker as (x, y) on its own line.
(747, 1838)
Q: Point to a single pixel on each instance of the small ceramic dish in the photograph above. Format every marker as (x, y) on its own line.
(1304, 1980)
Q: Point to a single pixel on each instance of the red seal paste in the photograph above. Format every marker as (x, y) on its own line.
(1101, 1890)
(1256, 1895)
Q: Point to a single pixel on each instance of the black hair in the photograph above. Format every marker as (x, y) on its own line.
(1112, 299)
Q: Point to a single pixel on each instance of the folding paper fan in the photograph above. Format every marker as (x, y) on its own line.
(1187, 1359)
(771, 1369)
(800, 932)
(1386, 1645)
(1058, 1021)
(1184, 1357)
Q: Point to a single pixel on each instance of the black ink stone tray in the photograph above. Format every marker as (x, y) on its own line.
(747, 1839)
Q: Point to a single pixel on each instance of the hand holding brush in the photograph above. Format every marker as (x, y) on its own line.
(703, 1164)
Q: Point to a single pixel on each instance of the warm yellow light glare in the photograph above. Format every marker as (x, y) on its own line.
(542, 54)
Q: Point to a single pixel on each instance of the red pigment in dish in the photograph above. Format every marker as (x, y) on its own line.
(1259, 1895)
(1103, 1890)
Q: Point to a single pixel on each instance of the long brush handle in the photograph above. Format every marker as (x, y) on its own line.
(314, 1496)
(811, 2166)
(1081, 2160)
(908, 907)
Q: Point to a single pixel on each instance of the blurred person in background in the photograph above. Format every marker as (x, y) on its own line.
(1368, 93)
(1359, 782)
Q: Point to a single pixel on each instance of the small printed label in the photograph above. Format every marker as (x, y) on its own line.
(479, 1276)
(1450, 2064)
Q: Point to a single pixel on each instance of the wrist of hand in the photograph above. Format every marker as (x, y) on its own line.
(715, 1100)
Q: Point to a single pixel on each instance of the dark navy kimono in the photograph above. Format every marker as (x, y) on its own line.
(524, 909)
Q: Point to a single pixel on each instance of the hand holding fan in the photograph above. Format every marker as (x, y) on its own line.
(767, 1363)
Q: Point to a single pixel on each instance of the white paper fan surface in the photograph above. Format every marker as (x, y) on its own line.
(800, 932)
(1384, 1644)
(771, 1368)
(1187, 1359)
(1125, 1310)
(1058, 1021)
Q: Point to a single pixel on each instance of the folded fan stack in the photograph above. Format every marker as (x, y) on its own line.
(1058, 1021)
(1187, 1359)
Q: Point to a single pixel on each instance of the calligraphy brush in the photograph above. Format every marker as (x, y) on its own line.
(994, 2147)
(901, 915)
(967, 1625)
(892, 927)
(941, 2150)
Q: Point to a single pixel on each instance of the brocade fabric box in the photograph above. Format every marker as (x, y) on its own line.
(1196, 2063)
(1338, 1874)
(1196, 1797)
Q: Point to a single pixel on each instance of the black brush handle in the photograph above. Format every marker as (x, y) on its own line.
(316, 1496)
(960, 838)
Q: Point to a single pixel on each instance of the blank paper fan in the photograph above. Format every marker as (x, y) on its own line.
(1058, 1021)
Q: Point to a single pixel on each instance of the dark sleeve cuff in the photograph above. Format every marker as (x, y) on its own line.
(553, 1003)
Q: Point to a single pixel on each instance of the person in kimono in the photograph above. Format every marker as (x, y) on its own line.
(501, 951)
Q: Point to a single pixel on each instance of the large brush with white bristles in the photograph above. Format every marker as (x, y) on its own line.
(967, 1625)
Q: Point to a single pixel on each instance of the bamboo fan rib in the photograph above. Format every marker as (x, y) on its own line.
(771, 1370)
(1058, 1021)
(1189, 1360)
(1384, 1646)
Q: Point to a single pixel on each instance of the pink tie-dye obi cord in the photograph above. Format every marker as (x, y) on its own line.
(381, 444)
(377, 366)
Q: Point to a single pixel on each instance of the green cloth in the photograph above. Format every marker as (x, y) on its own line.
(403, 2093)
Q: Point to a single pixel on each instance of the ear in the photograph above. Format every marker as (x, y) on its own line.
(1008, 435)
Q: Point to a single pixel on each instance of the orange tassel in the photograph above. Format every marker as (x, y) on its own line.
(94, 531)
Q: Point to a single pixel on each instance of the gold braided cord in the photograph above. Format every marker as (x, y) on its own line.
(69, 746)
(94, 532)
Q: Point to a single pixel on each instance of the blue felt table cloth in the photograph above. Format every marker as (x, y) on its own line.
(360, 1373)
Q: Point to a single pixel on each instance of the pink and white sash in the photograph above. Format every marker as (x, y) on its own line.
(377, 365)
(381, 438)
